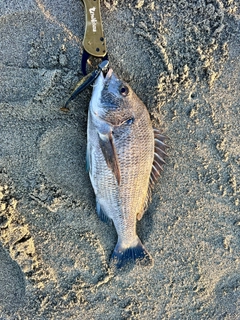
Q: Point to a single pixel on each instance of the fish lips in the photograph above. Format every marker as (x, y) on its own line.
(108, 74)
(104, 77)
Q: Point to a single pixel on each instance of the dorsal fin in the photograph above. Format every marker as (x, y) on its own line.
(158, 162)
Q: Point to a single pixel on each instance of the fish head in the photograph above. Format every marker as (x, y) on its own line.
(116, 114)
(113, 100)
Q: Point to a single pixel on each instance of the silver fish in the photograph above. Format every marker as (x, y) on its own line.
(124, 159)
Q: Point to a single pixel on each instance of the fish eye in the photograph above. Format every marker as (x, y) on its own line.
(130, 121)
(124, 91)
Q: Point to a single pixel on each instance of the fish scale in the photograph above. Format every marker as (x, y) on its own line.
(122, 158)
(134, 169)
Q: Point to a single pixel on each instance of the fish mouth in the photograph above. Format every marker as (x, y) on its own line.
(109, 74)
(106, 76)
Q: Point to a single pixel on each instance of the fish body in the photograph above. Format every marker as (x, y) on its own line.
(121, 160)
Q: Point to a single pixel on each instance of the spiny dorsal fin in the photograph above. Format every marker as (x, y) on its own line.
(158, 161)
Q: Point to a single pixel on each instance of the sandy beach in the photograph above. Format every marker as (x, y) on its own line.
(182, 60)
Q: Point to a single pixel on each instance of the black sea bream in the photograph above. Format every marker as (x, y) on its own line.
(124, 158)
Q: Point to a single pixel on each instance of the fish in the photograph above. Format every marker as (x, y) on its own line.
(125, 155)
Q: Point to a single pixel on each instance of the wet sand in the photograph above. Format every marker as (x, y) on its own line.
(182, 60)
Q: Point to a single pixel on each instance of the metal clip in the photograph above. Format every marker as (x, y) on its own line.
(86, 82)
(94, 42)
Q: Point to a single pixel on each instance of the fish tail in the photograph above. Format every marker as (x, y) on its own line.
(136, 253)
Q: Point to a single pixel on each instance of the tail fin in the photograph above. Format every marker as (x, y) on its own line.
(138, 253)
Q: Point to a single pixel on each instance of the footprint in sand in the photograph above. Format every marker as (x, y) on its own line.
(62, 160)
(12, 283)
(227, 296)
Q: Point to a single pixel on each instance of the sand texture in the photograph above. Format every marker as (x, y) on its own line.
(182, 59)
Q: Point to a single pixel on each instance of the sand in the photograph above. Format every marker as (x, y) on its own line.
(182, 59)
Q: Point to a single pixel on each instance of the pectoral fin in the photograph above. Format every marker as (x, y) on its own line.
(108, 149)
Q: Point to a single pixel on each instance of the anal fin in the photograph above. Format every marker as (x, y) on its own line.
(101, 214)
